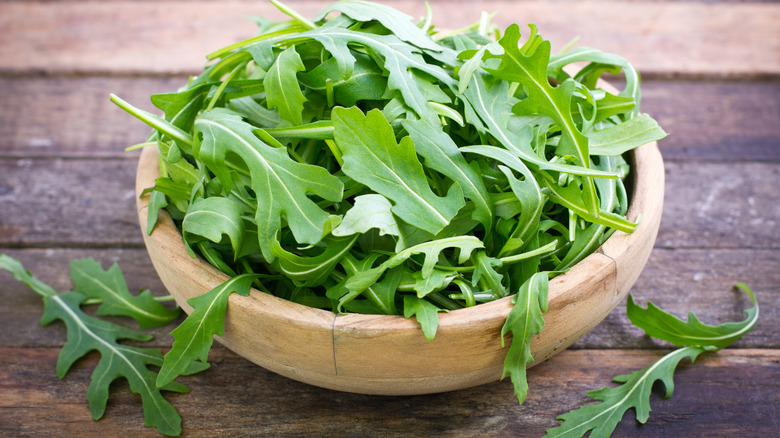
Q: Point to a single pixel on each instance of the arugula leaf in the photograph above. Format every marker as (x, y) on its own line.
(193, 338)
(524, 320)
(425, 312)
(90, 280)
(635, 391)
(211, 218)
(157, 202)
(618, 139)
(484, 271)
(370, 211)
(662, 325)
(281, 184)
(281, 86)
(372, 157)
(528, 67)
(694, 337)
(85, 333)
(441, 154)
(312, 271)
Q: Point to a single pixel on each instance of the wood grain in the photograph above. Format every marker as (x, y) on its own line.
(260, 403)
(661, 39)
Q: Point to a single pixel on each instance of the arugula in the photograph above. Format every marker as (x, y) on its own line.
(110, 288)
(361, 162)
(86, 333)
(694, 338)
(194, 336)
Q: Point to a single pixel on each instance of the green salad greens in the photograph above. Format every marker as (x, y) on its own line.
(362, 162)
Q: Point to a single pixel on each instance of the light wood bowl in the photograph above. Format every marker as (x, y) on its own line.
(376, 354)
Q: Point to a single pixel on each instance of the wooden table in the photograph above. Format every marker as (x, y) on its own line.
(710, 73)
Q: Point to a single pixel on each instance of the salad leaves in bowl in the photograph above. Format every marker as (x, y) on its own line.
(366, 203)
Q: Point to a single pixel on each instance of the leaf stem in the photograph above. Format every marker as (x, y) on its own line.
(154, 121)
(294, 15)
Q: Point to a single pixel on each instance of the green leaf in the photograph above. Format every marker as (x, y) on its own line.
(524, 320)
(395, 21)
(109, 286)
(437, 280)
(400, 60)
(491, 103)
(194, 336)
(441, 154)
(530, 197)
(211, 218)
(484, 271)
(530, 70)
(636, 388)
(380, 295)
(431, 250)
(662, 325)
(635, 391)
(598, 59)
(157, 202)
(281, 86)
(367, 81)
(618, 139)
(426, 313)
(312, 271)
(281, 185)
(370, 211)
(373, 158)
(85, 334)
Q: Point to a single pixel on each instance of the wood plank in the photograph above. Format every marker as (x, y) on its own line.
(721, 205)
(72, 203)
(72, 117)
(236, 398)
(667, 39)
(716, 120)
(677, 280)
(80, 202)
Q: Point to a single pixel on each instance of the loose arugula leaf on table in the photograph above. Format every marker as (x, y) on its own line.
(693, 336)
(109, 286)
(602, 418)
(662, 325)
(86, 333)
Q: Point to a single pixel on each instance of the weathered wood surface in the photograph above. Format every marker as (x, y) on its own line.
(66, 192)
(698, 39)
(244, 400)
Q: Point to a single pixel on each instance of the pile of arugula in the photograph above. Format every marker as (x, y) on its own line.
(361, 162)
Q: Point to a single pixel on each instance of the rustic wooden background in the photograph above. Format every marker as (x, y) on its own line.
(710, 72)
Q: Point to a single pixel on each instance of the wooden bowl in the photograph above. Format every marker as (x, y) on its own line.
(378, 354)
